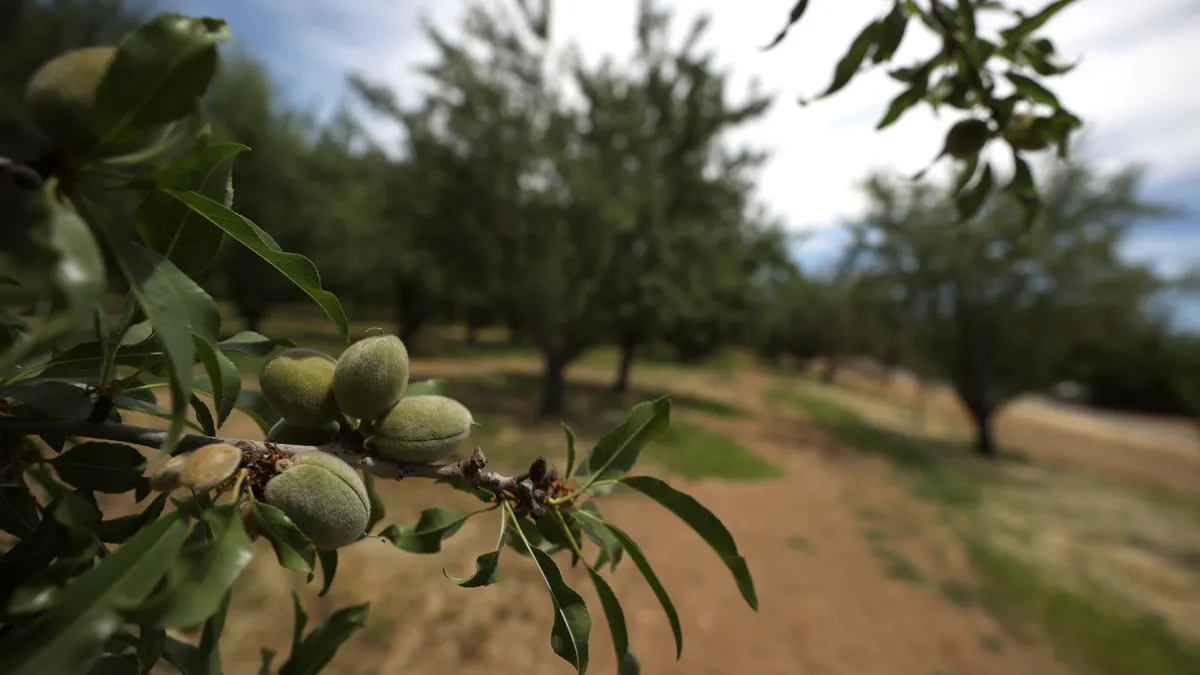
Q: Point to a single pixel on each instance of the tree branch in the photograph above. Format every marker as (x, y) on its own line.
(468, 472)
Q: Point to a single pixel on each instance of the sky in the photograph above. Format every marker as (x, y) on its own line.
(1134, 87)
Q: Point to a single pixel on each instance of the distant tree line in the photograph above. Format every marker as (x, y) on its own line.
(576, 205)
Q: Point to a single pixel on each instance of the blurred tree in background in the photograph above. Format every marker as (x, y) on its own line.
(581, 204)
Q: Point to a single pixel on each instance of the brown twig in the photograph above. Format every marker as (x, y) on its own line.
(521, 491)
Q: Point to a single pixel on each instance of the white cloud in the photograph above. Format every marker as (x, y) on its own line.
(1133, 87)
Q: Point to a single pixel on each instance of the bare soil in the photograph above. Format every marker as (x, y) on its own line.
(827, 604)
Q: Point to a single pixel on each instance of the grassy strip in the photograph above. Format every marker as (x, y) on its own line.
(1096, 638)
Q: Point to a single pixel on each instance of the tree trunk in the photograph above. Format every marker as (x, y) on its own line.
(628, 351)
(554, 366)
(252, 318)
(985, 444)
(472, 334)
(409, 316)
(829, 370)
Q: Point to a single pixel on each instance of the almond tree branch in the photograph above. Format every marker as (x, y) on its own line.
(468, 472)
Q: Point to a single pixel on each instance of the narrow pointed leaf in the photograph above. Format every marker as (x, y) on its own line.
(297, 268)
(18, 510)
(223, 377)
(168, 226)
(160, 70)
(71, 635)
(572, 622)
(643, 565)
(708, 526)
(117, 530)
(293, 549)
(205, 572)
(319, 647)
(597, 531)
(618, 449)
(253, 344)
(486, 571)
(570, 450)
(378, 508)
(613, 614)
(437, 386)
(112, 468)
(329, 564)
(793, 17)
(203, 415)
(433, 527)
(177, 307)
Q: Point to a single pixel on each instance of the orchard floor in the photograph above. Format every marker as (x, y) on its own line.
(857, 574)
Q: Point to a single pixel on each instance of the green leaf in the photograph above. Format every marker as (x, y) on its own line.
(572, 622)
(570, 450)
(83, 360)
(177, 307)
(253, 344)
(903, 101)
(71, 634)
(660, 592)
(426, 388)
(161, 69)
(378, 508)
(1024, 190)
(112, 468)
(172, 229)
(613, 614)
(329, 563)
(138, 405)
(69, 260)
(486, 571)
(223, 377)
(971, 199)
(295, 267)
(1027, 26)
(552, 530)
(299, 620)
(530, 533)
(433, 527)
(293, 549)
(708, 526)
(203, 415)
(618, 449)
(253, 404)
(891, 33)
(1032, 90)
(318, 648)
(849, 64)
(114, 664)
(596, 529)
(150, 646)
(55, 399)
(793, 17)
(206, 570)
(18, 510)
(32, 554)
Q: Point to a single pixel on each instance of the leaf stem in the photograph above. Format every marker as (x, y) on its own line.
(586, 486)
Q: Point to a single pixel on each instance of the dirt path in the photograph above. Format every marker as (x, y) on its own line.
(828, 609)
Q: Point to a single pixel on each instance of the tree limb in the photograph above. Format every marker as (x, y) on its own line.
(468, 472)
